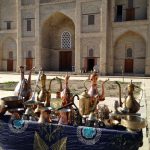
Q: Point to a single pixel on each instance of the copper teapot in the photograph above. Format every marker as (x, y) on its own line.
(95, 96)
(66, 94)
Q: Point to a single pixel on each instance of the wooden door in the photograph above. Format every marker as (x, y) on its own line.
(128, 65)
(65, 61)
(29, 63)
(9, 64)
(130, 14)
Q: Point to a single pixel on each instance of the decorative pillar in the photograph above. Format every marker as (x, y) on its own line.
(37, 36)
(147, 58)
(19, 36)
(78, 37)
(110, 43)
(103, 44)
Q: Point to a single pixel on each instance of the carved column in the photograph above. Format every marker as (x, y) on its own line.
(37, 36)
(103, 44)
(147, 58)
(77, 37)
(19, 36)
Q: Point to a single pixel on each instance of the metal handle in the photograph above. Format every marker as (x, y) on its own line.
(119, 92)
(85, 85)
(36, 83)
(58, 80)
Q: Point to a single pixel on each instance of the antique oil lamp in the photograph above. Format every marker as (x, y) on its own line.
(130, 103)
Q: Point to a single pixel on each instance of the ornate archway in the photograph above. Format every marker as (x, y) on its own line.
(130, 53)
(58, 43)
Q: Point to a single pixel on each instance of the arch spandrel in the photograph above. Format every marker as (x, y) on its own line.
(121, 34)
(126, 33)
(51, 14)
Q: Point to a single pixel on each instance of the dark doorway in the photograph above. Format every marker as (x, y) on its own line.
(29, 63)
(90, 65)
(119, 13)
(128, 65)
(9, 64)
(65, 61)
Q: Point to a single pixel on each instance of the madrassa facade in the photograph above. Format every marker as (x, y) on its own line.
(75, 35)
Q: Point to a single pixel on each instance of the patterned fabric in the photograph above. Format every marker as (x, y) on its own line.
(34, 136)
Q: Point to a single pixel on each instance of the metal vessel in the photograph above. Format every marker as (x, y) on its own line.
(23, 88)
(130, 103)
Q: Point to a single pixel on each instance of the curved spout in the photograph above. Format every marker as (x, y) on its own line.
(36, 84)
(120, 102)
(75, 96)
(22, 72)
(29, 77)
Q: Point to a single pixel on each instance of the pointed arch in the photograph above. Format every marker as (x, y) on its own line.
(58, 40)
(130, 53)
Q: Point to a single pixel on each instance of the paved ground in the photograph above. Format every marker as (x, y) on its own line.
(145, 102)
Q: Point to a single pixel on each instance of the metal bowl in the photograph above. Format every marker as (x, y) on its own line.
(32, 102)
(11, 102)
(133, 122)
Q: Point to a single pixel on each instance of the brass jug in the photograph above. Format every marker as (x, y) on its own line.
(130, 102)
(84, 103)
(95, 96)
(65, 94)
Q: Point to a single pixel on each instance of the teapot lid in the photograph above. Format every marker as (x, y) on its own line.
(43, 77)
(85, 94)
(131, 85)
